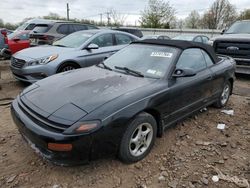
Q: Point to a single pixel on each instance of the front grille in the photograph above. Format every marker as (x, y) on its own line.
(41, 121)
(18, 63)
(238, 49)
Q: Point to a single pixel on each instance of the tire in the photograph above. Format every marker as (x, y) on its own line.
(138, 139)
(67, 67)
(224, 96)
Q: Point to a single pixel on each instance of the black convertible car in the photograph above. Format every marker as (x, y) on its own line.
(121, 105)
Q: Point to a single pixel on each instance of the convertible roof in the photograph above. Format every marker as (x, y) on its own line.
(181, 44)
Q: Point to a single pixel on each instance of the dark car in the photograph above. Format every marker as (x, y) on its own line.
(51, 31)
(121, 105)
(3, 37)
(235, 42)
(132, 31)
(192, 37)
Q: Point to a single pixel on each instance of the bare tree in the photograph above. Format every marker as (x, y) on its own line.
(220, 15)
(193, 20)
(117, 18)
(158, 14)
(245, 15)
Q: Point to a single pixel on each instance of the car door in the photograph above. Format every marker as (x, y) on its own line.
(187, 94)
(106, 48)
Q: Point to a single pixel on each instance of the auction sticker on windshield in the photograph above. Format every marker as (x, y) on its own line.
(161, 54)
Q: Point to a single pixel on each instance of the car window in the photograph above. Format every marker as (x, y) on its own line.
(191, 59)
(207, 58)
(198, 39)
(30, 27)
(205, 39)
(24, 36)
(91, 27)
(42, 28)
(63, 29)
(103, 40)
(79, 27)
(161, 37)
(122, 39)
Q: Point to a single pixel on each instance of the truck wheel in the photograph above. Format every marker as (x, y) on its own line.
(138, 139)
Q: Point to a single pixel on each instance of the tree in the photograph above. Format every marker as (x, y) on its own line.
(193, 20)
(158, 14)
(245, 15)
(220, 15)
(118, 19)
(52, 16)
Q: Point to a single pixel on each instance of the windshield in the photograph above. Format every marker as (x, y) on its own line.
(239, 27)
(22, 27)
(184, 37)
(150, 60)
(12, 35)
(74, 40)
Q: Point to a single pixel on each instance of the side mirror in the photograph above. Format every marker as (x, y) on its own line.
(183, 73)
(223, 31)
(16, 39)
(92, 46)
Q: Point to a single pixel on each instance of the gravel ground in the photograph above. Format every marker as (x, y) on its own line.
(188, 155)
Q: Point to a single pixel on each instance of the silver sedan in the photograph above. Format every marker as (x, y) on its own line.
(80, 49)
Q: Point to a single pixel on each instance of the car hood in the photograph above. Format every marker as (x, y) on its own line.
(42, 51)
(231, 37)
(86, 89)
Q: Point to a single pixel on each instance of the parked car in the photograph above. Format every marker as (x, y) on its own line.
(16, 41)
(79, 49)
(235, 42)
(162, 37)
(132, 31)
(50, 32)
(195, 38)
(121, 105)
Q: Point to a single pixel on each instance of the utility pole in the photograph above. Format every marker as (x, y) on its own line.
(108, 17)
(68, 11)
(101, 18)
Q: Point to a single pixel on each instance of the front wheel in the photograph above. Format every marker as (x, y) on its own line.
(224, 97)
(138, 139)
(67, 67)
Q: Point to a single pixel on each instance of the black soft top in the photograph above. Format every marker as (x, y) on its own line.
(181, 44)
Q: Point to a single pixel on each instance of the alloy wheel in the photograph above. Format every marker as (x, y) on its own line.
(141, 139)
(225, 94)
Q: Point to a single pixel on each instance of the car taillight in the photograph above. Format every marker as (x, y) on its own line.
(47, 37)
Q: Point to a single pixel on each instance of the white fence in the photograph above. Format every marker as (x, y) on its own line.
(174, 32)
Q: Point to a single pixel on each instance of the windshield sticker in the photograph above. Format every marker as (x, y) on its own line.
(150, 71)
(161, 54)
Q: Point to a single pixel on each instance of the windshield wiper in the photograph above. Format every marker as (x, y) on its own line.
(59, 45)
(130, 71)
(105, 66)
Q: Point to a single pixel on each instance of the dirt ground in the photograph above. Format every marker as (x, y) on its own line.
(188, 155)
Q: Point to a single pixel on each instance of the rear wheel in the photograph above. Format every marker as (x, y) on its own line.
(224, 97)
(68, 67)
(138, 139)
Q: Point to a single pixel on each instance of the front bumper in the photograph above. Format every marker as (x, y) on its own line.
(242, 66)
(32, 74)
(38, 137)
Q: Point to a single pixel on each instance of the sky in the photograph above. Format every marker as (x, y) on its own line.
(15, 11)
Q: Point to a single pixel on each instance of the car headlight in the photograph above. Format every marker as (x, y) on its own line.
(210, 42)
(83, 127)
(43, 61)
